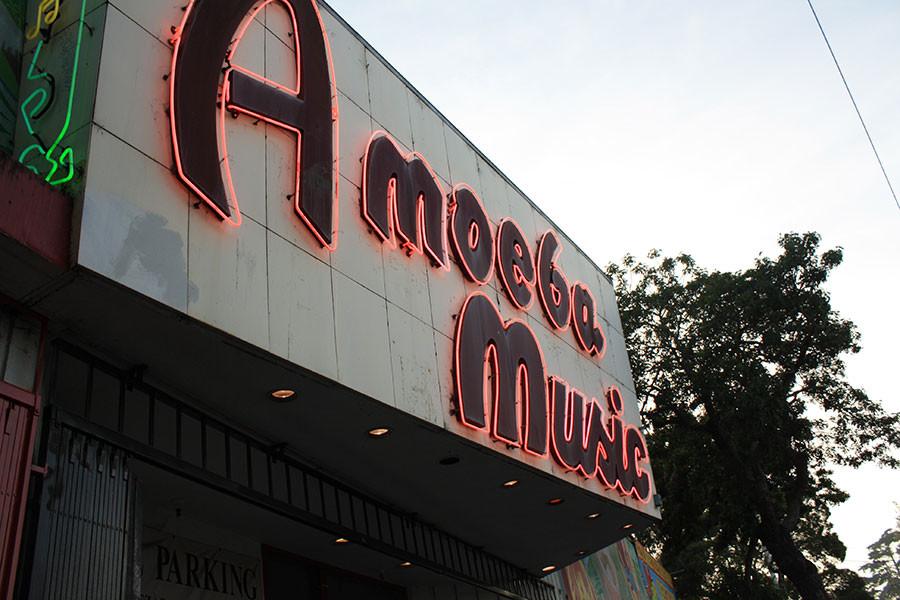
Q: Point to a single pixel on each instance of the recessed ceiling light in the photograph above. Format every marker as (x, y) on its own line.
(593, 515)
(581, 553)
(554, 501)
(282, 395)
(627, 526)
(549, 568)
(405, 564)
(341, 541)
(511, 483)
(379, 432)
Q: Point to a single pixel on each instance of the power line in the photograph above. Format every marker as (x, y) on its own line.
(853, 100)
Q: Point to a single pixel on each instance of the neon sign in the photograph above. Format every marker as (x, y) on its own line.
(586, 442)
(552, 282)
(211, 32)
(402, 198)
(515, 264)
(54, 162)
(509, 354)
(48, 12)
(501, 383)
(470, 231)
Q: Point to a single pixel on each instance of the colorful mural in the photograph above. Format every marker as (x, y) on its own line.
(12, 23)
(659, 582)
(623, 571)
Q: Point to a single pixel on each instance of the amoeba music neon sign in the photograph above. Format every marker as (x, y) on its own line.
(502, 386)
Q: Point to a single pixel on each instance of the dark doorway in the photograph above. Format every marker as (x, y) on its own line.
(289, 577)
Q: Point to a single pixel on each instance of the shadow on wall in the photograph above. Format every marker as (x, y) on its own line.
(12, 20)
(158, 252)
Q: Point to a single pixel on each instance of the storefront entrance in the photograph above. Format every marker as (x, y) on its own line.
(159, 500)
(288, 577)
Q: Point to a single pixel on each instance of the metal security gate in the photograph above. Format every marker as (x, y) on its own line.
(88, 541)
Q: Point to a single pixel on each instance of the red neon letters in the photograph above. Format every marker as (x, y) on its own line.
(500, 379)
(586, 442)
(587, 329)
(209, 34)
(501, 382)
(401, 195)
(515, 264)
(470, 232)
(553, 288)
(508, 356)
(403, 202)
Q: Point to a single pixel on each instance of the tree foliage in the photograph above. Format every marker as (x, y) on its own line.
(742, 384)
(884, 565)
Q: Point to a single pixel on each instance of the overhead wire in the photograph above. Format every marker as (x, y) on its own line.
(855, 106)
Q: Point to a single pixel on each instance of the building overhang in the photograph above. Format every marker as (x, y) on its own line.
(444, 479)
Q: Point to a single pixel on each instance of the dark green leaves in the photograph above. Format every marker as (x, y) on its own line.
(742, 382)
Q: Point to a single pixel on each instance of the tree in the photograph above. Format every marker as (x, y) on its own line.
(884, 565)
(743, 391)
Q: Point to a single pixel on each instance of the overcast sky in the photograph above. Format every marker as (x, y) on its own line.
(705, 126)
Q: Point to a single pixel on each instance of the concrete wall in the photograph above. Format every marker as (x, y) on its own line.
(367, 316)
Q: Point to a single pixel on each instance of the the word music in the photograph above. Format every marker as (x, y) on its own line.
(501, 381)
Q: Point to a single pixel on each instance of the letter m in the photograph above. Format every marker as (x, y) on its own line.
(402, 197)
(500, 362)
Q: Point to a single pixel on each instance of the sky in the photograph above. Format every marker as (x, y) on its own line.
(709, 127)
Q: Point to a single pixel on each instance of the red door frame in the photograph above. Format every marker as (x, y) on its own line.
(18, 425)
